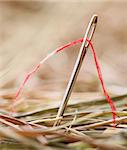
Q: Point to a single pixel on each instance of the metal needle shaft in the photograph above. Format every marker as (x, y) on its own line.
(88, 35)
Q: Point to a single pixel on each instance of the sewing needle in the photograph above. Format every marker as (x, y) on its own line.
(85, 44)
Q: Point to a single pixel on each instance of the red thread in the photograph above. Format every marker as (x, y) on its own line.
(26, 79)
(109, 100)
(29, 74)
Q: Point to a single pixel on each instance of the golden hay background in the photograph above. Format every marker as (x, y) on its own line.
(30, 30)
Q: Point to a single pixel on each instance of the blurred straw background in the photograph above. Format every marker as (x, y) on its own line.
(29, 30)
